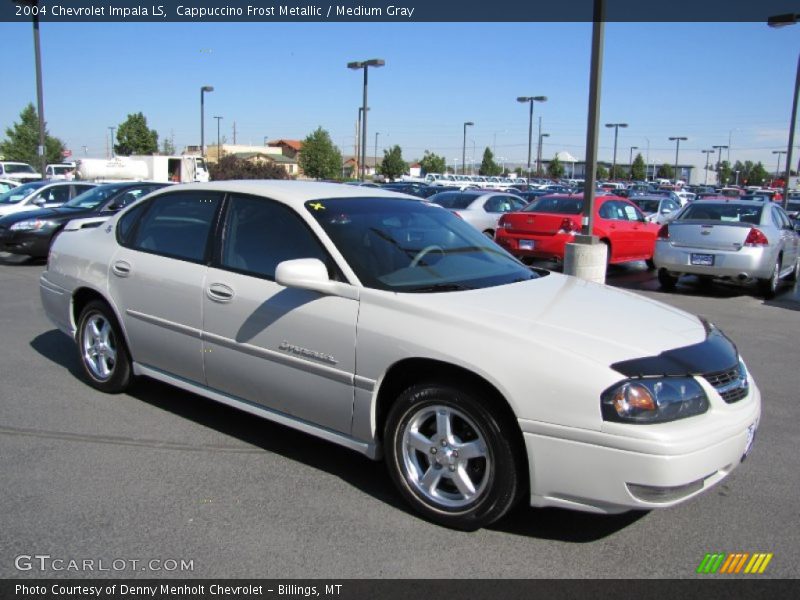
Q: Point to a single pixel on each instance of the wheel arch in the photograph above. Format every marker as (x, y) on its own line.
(407, 372)
(82, 296)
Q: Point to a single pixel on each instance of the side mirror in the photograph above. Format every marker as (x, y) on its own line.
(114, 207)
(311, 274)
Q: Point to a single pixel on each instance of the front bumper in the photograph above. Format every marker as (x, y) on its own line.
(605, 472)
(30, 243)
(742, 265)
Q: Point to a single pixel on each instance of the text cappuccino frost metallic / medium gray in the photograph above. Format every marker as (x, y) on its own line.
(390, 326)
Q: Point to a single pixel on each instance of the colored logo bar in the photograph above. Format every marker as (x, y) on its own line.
(735, 563)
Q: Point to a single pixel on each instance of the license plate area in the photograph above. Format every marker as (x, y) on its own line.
(702, 260)
(526, 244)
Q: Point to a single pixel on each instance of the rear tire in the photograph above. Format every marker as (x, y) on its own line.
(103, 353)
(667, 281)
(452, 456)
(769, 287)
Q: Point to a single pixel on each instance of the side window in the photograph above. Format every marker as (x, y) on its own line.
(630, 212)
(126, 223)
(607, 211)
(260, 233)
(494, 204)
(128, 197)
(54, 195)
(79, 189)
(780, 218)
(177, 225)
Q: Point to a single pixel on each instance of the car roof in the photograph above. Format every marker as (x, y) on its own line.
(293, 193)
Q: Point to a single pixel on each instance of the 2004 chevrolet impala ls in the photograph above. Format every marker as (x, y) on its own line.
(388, 325)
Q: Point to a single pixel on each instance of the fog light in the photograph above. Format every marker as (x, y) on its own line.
(659, 495)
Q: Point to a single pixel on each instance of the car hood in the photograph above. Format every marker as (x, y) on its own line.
(40, 213)
(601, 323)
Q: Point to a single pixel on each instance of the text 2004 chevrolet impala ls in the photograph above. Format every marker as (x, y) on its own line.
(388, 325)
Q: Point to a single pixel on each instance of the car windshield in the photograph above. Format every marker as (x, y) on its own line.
(414, 246)
(18, 168)
(647, 206)
(561, 205)
(723, 211)
(19, 193)
(61, 169)
(94, 197)
(453, 200)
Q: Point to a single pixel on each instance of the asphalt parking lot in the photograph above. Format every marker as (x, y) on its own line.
(160, 474)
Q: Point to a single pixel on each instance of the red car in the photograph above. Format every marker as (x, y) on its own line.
(546, 225)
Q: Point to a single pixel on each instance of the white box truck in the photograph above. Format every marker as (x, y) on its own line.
(164, 169)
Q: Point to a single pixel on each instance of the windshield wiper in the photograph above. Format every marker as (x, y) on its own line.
(441, 287)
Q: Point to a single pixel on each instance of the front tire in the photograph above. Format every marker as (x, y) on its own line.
(104, 355)
(452, 457)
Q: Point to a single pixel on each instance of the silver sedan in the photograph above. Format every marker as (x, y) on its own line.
(480, 208)
(734, 240)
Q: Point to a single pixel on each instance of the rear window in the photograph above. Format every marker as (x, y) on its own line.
(723, 211)
(452, 200)
(648, 206)
(556, 205)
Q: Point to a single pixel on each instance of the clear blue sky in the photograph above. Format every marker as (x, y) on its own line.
(703, 81)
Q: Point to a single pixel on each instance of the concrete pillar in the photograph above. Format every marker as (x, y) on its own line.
(586, 259)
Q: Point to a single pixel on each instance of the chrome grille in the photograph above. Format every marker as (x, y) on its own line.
(730, 384)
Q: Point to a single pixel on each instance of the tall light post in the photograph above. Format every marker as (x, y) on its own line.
(219, 148)
(677, 140)
(37, 57)
(361, 153)
(616, 127)
(780, 21)
(630, 161)
(112, 129)
(719, 149)
(539, 153)
(707, 152)
(365, 64)
(472, 160)
(377, 133)
(203, 90)
(464, 147)
(530, 100)
(778, 168)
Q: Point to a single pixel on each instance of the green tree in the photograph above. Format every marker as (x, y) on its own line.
(231, 167)
(724, 173)
(488, 166)
(320, 159)
(168, 147)
(555, 169)
(134, 137)
(617, 172)
(638, 168)
(665, 171)
(22, 141)
(758, 175)
(393, 166)
(602, 172)
(432, 163)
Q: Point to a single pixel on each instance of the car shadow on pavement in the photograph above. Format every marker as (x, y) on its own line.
(564, 525)
(358, 471)
(6, 258)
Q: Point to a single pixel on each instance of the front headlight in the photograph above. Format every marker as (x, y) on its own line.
(33, 225)
(655, 400)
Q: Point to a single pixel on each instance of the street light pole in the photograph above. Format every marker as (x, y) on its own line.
(365, 64)
(219, 148)
(203, 90)
(37, 53)
(778, 168)
(616, 127)
(719, 149)
(530, 100)
(377, 133)
(707, 152)
(111, 129)
(539, 153)
(630, 161)
(677, 141)
(464, 148)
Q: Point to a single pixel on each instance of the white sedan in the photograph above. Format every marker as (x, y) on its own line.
(480, 208)
(388, 325)
(40, 194)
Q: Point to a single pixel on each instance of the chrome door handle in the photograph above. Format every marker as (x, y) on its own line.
(219, 292)
(121, 268)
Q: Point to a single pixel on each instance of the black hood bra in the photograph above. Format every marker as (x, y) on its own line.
(716, 353)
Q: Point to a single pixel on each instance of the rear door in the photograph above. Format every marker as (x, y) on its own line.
(619, 230)
(790, 241)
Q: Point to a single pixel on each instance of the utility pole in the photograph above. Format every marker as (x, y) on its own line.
(112, 141)
(234, 133)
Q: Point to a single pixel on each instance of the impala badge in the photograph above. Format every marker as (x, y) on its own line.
(306, 353)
